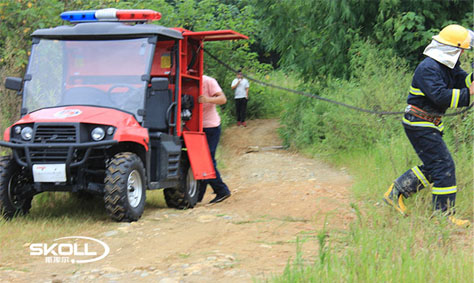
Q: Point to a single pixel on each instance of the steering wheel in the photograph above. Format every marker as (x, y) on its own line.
(121, 98)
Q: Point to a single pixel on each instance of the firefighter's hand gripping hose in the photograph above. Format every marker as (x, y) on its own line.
(303, 93)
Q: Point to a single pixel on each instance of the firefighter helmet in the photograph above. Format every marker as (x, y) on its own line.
(454, 35)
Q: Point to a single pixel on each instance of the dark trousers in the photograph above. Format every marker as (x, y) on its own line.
(438, 164)
(241, 109)
(218, 186)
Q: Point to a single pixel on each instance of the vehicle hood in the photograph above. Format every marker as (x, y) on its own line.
(80, 114)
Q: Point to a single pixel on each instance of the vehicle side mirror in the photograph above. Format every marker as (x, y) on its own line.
(14, 83)
(158, 84)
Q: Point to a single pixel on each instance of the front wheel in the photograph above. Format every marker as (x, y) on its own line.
(187, 193)
(14, 199)
(125, 187)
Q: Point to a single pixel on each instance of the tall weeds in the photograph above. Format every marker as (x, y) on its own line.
(381, 245)
(374, 146)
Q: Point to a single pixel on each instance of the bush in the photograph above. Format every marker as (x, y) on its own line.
(264, 102)
(380, 84)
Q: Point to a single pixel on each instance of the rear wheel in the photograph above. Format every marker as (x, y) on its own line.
(186, 194)
(14, 199)
(125, 187)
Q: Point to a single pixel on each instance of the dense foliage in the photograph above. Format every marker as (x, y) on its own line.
(19, 18)
(326, 31)
(361, 52)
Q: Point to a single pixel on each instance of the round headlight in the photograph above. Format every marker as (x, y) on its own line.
(110, 131)
(17, 130)
(98, 134)
(26, 133)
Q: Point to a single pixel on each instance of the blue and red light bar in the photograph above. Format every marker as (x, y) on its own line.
(111, 15)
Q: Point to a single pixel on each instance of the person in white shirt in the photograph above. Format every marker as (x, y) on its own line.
(241, 85)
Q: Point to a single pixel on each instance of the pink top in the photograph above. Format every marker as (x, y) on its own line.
(210, 117)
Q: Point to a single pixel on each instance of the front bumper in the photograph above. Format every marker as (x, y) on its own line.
(24, 153)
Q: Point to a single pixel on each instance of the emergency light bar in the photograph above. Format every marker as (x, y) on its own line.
(111, 14)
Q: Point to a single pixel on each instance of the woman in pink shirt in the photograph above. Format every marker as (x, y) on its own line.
(212, 95)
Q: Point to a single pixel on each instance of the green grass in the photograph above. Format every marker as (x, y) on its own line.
(381, 245)
(55, 215)
(384, 247)
(52, 215)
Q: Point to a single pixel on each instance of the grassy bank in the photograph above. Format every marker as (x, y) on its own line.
(381, 245)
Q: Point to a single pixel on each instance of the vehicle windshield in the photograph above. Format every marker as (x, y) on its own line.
(88, 72)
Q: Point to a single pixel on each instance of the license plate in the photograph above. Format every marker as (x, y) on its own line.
(50, 173)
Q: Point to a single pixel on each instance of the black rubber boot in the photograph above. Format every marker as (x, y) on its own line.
(409, 183)
(444, 205)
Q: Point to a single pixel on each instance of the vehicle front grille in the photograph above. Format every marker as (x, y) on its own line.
(55, 134)
(48, 155)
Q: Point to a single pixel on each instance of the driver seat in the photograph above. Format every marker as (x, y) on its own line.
(157, 104)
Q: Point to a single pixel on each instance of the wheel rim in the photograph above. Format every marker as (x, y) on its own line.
(13, 183)
(191, 183)
(134, 188)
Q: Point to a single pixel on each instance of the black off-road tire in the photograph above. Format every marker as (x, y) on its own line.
(11, 204)
(187, 193)
(123, 170)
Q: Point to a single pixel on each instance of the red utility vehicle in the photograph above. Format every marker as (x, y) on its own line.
(110, 107)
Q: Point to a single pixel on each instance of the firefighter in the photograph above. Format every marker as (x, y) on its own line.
(438, 83)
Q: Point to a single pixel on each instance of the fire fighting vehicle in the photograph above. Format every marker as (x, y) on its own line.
(110, 107)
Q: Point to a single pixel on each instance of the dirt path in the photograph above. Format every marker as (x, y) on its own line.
(277, 198)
